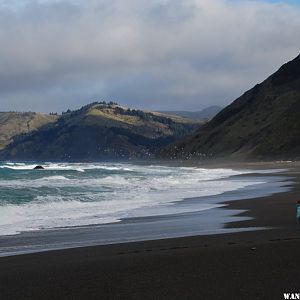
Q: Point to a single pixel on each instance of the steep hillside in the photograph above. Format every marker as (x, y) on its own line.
(264, 123)
(99, 131)
(14, 123)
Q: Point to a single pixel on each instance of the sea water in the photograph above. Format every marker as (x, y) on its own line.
(66, 195)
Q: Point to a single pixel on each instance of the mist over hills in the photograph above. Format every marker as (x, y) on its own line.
(201, 115)
(96, 131)
(264, 123)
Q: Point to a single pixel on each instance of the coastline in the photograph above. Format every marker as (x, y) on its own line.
(259, 264)
(203, 215)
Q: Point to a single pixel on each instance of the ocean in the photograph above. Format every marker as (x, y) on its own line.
(78, 197)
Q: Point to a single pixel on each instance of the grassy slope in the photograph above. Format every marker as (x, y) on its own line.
(97, 132)
(13, 124)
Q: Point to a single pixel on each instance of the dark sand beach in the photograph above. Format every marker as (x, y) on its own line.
(260, 264)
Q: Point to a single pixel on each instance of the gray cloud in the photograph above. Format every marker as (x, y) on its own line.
(160, 54)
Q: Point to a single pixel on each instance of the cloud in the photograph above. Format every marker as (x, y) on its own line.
(160, 54)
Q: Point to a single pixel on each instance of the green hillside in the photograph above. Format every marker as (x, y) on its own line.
(13, 124)
(100, 131)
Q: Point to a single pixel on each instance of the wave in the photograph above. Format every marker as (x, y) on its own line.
(155, 180)
(79, 167)
(52, 178)
(114, 192)
(82, 167)
(47, 213)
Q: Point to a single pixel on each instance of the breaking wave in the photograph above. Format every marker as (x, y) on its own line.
(103, 193)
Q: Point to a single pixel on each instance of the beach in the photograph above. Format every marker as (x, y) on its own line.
(260, 264)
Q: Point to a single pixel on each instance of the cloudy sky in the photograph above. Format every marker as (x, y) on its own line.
(156, 54)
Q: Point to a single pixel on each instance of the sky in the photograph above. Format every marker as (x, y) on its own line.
(152, 54)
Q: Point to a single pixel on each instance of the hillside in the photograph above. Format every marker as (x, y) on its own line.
(99, 131)
(202, 115)
(264, 123)
(14, 123)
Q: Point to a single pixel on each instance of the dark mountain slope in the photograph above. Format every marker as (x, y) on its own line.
(263, 123)
(99, 131)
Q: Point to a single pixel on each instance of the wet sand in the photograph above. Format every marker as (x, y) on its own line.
(246, 265)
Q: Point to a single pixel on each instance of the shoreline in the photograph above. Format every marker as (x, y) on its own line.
(182, 219)
(245, 265)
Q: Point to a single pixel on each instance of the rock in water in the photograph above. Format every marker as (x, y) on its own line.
(39, 168)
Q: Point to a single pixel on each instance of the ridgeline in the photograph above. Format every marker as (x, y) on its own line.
(97, 131)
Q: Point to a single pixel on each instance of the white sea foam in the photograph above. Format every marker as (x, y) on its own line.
(118, 191)
(79, 167)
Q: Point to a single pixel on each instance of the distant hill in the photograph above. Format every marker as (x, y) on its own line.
(14, 123)
(264, 123)
(202, 115)
(99, 131)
